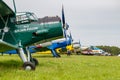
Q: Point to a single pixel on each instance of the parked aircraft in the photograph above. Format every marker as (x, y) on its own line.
(93, 50)
(20, 30)
(30, 48)
(54, 44)
(96, 50)
(77, 47)
(90, 50)
(59, 43)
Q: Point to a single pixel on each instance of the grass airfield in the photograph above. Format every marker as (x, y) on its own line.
(74, 67)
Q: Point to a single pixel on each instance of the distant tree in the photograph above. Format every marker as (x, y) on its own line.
(110, 49)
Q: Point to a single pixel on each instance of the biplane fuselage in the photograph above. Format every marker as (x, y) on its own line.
(19, 30)
(30, 31)
(26, 29)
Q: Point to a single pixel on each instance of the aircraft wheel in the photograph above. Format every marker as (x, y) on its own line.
(35, 61)
(28, 66)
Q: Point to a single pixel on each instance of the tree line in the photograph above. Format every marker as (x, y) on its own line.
(110, 49)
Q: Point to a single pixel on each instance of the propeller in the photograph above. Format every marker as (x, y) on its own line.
(63, 17)
(63, 21)
(65, 28)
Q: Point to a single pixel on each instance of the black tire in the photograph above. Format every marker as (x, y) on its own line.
(28, 66)
(35, 61)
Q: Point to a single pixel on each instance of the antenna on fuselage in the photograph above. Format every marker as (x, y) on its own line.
(14, 6)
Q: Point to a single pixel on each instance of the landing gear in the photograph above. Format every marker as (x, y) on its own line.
(28, 66)
(29, 62)
(55, 54)
(58, 55)
(35, 61)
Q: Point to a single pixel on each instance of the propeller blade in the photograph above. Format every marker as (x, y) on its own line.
(65, 25)
(63, 17)
(63, 21)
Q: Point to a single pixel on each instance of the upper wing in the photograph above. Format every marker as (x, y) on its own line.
(4, 46)
(5, 10)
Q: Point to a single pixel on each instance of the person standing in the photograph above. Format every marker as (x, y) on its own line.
(68, 52)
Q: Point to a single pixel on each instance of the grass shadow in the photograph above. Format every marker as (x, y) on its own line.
(43, 56)
(10, 64)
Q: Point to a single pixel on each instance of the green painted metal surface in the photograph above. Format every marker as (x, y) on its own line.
(6, 46)
(4, 9)
(25, 29)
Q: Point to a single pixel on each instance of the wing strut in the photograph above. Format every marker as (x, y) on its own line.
(5, 29)
(14, 6)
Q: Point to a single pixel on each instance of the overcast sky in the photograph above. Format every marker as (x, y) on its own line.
(93, 22)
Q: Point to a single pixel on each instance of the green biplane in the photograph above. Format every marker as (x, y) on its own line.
(20, 30)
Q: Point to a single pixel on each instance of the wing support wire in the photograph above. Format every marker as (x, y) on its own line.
(5, 29)
(4, 45)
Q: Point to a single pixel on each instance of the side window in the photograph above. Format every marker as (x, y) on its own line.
(21, 19)
(32, 17)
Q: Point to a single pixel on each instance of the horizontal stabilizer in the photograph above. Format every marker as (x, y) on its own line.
(4, 46)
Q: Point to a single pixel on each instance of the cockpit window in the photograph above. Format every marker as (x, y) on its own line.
(22, 18)
(32, 16)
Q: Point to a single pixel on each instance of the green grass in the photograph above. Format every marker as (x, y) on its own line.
(65, 68)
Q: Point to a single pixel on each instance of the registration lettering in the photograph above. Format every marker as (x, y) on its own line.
(26, 29)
